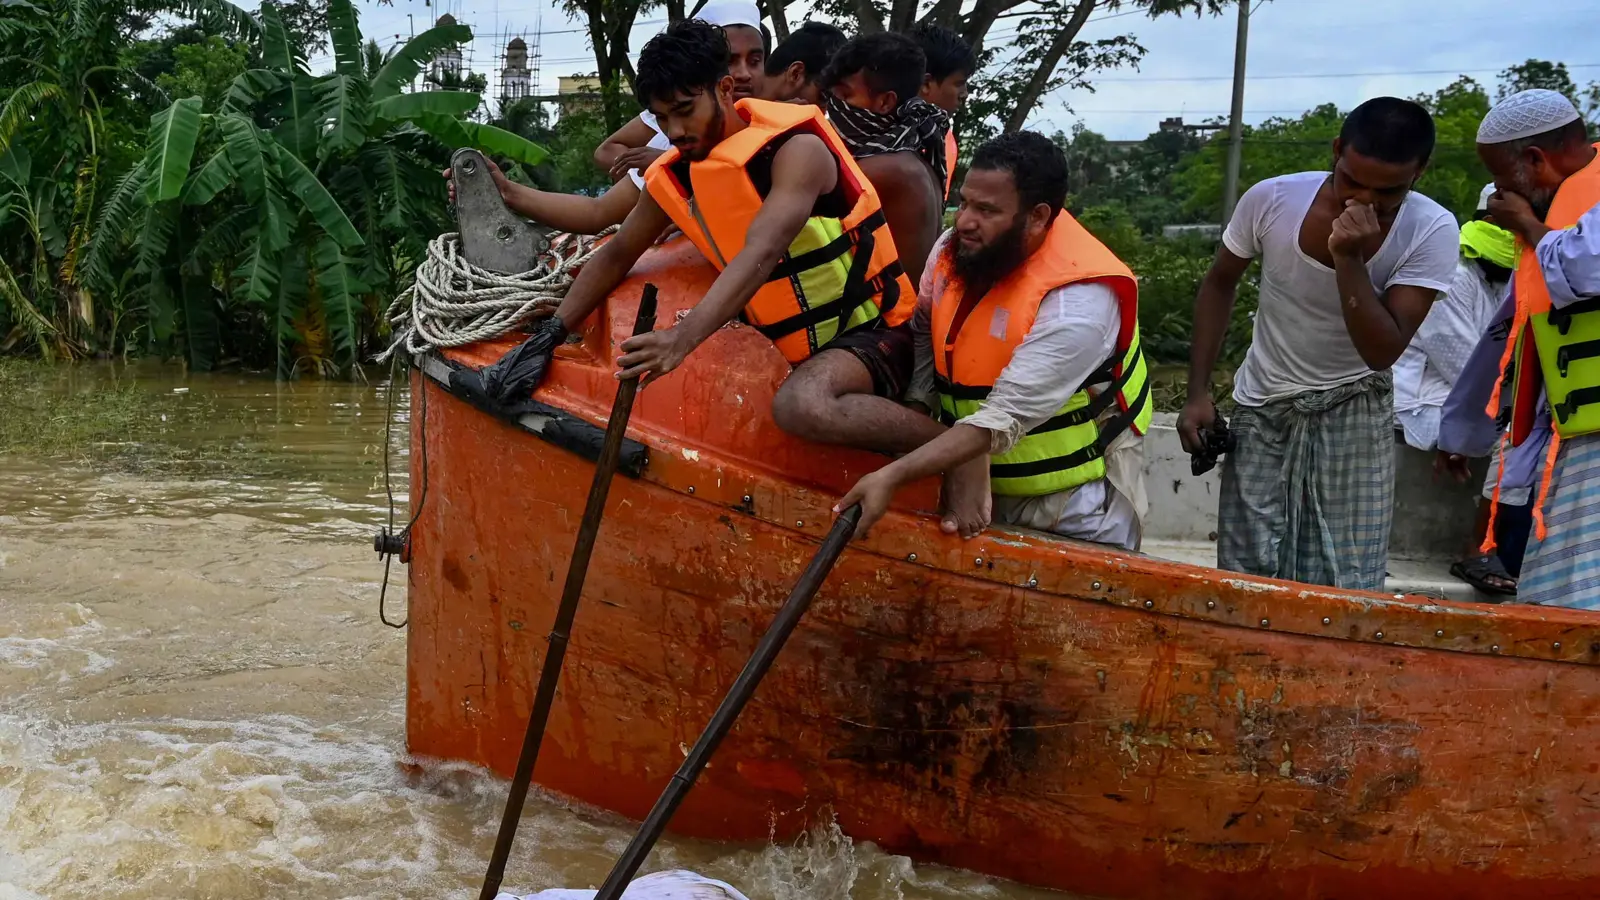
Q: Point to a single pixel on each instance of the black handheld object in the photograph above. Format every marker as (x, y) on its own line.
(1218, 440)
(727, 713)
(516, 375)
(555, 655)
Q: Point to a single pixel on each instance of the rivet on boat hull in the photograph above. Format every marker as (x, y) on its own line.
(748, 499)
(1556, 646)
(691, 488)
(1379, 635)
(1033, 582)
(1095, 586)
(1327, 621)
(911, 557)
(1495, 649)
(1149, 604)
(978, 561)
(1439, 633)
(1211, 604)
(799, 524)
(1263, 623)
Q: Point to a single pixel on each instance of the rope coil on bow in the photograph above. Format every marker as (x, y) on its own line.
(453, 302)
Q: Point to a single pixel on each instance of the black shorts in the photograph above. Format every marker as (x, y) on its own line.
(888, 353)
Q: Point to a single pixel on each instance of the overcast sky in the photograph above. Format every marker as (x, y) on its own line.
(1354, 49)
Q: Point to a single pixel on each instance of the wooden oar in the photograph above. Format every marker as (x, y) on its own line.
(722, 720)
(556, 654)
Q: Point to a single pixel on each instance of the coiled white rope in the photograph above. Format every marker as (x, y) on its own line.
(453, 302)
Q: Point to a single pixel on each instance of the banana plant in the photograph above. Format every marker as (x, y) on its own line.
(57, 84)
(317, 192)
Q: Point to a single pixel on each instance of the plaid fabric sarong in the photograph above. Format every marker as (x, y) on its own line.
(1308, 492)
(1564, 568)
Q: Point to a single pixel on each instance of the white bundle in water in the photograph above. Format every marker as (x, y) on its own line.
(452, 302)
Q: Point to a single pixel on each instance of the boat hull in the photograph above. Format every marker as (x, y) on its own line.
(1037, 709)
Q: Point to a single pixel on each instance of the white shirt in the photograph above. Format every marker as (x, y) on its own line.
(1430, 365)
(1074, 333)
(674, 884)
(658, 141)
(1300, 342)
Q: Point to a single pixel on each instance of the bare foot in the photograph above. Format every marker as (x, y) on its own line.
(967, 504)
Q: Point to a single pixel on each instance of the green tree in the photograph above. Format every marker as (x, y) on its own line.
(205, 70)
(63, 86)
(300, 201)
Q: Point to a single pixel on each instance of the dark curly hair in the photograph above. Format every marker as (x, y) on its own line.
(1036, 164)
(948, 53)
(1390, 129)
(812, 44)
(690, 56)
(887, 60)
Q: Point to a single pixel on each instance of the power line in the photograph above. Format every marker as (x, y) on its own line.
(1287, 76)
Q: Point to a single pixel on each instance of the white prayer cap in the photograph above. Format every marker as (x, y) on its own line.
(731, 12)
(1484, 195)
(1525, 114)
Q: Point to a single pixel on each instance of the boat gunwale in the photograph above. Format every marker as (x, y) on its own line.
(1077, 570)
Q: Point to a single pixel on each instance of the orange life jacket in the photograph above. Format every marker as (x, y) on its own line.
(1537, 349)
(973, 343)
(838, 275)
(951, 153)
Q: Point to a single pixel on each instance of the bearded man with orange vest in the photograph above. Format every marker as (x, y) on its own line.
(1028, 350)
(771, 197)
(1538, 148)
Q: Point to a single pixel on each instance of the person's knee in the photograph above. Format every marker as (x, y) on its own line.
(801, 407)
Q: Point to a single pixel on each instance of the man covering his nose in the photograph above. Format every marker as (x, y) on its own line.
(1351, 261)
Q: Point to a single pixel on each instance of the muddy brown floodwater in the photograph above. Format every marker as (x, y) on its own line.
(197, 699)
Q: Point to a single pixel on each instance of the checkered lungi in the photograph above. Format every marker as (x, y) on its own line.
(1308, 492)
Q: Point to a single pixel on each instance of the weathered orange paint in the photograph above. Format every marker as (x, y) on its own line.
(1036, 708)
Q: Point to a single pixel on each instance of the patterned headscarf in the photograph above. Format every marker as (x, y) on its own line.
(916, 126)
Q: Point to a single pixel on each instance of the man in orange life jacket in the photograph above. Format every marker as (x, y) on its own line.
(950, 65)
(634, 146)
(792, 225)
(1548, 174)
(1027, 335)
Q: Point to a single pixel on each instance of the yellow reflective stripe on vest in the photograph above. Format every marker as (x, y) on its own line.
(1068, 449)
(825, 282)
(825, 267)
(1568, 344)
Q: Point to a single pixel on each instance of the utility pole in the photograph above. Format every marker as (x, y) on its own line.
(1230, 184)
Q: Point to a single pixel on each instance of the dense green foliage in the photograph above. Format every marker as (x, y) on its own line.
(266, 214)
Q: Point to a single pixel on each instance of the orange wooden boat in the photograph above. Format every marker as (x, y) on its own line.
(1035, 708)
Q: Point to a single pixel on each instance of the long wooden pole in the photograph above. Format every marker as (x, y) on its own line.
(577, 570)
(723, 719)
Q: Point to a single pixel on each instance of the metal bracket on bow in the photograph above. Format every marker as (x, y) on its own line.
(492, 236)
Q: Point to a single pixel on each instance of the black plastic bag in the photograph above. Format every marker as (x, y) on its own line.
(512, 377)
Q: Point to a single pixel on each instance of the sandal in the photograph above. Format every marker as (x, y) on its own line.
(1482, 572)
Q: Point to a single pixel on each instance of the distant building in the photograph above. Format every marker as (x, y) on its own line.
(1176, 123)
(1209, 231)
(575, 93)
(516, 78)
(446, 67)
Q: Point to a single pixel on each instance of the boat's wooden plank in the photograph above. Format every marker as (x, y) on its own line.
(1068, 739)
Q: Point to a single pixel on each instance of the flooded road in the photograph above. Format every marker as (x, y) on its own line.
(197, 699)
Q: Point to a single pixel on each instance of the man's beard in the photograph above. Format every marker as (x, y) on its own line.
(707, 141)
(992, 262)
(1538, 198)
